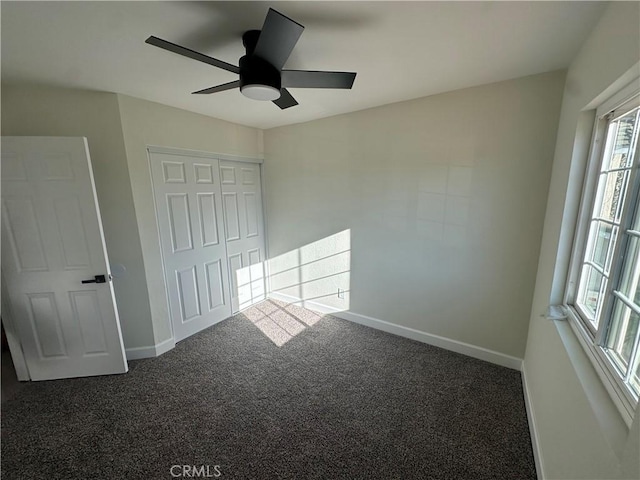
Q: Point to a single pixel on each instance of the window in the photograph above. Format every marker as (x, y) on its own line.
(603, 292)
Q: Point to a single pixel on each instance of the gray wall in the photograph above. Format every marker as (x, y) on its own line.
(580, 433)
(59, 112)
(442, 199)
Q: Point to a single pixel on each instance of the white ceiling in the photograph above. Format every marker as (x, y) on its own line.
(400, 50)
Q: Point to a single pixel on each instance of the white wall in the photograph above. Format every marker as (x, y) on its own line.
(61, 112)
(146, 123)
(579, 432)
(443, 198)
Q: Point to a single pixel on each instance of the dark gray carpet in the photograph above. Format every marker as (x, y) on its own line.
(335, 401)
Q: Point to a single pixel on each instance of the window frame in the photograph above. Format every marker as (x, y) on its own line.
(592, 339)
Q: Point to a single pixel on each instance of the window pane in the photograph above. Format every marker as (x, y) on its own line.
(622, 334)
(611, 191)
(600, 244)
(630, 283)
(589, 296)
(622, 154)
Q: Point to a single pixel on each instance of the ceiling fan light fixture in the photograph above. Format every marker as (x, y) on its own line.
(260, 92)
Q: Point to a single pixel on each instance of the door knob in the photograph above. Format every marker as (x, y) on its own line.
(96, 279)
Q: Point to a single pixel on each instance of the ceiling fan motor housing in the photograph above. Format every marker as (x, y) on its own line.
(255, 71)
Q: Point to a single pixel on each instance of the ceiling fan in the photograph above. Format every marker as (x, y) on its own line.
(260, 70)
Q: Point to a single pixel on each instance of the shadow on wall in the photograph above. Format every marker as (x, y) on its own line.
(315, 276)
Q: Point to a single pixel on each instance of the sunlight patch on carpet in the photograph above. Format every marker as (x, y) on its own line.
(279, 321)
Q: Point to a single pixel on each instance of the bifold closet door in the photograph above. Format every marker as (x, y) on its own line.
(190, 219)
(244, 229)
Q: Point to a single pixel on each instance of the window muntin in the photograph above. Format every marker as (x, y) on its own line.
(622, 334)
(608, 295)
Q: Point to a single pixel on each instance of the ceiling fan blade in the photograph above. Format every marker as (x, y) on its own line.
(312, 79)
(285, 100)
(278, 37)
(186, 52)
(219, 88)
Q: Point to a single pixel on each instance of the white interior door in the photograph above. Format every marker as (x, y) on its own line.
(189, 212)
(52, 241)
(242, 203)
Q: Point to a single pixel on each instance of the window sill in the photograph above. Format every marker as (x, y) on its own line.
(618, 397)
(611, 408)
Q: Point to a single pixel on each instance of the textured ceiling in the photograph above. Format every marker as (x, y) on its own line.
(400, 50)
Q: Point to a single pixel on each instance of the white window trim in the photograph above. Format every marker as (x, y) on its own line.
(621, 397)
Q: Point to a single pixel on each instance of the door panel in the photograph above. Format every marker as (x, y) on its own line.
(231, 218)
(51, 241)
(86, 305)
(190, 220)
(251, 207)
(215, 292)
(208, 219)
(242, 196)
(180, 222)
(73, 236)
(47, 329)
(21, 227)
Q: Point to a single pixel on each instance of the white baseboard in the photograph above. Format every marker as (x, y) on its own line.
(138, 353)
(531, 418)
(435, 340)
